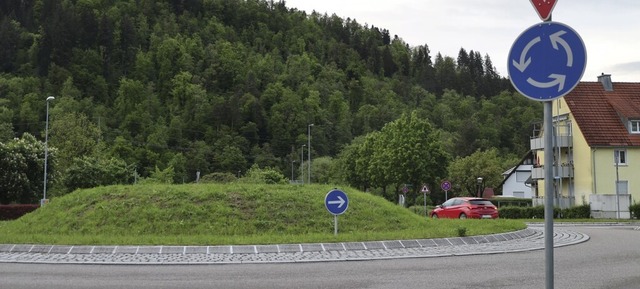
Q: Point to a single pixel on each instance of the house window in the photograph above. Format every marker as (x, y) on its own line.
(620, 157)
(634, 126)
(522, 177)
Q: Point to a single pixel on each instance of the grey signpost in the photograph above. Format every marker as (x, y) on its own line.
(546, 62)
(445, 186)
(425, 190)
(336, 202)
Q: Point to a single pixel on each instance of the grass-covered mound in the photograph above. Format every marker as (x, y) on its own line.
(211, 214)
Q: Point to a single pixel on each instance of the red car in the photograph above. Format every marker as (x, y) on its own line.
(476, 208)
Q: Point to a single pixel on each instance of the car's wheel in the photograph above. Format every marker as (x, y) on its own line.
(463, 216)
(434, 216)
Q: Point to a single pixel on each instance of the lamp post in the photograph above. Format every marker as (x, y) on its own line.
(302, 163)
(292, 162)
(309, 152)
(479, 187)
(46, 152)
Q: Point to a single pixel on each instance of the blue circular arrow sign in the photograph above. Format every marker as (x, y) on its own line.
(336, 202)
(547, 61)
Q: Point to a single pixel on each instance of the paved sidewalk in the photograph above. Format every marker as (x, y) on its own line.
(529, 239)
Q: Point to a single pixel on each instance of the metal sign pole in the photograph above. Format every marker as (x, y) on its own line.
(336, 202)
(548, 193)
(561, 68)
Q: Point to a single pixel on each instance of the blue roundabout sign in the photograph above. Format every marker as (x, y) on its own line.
(547, 61)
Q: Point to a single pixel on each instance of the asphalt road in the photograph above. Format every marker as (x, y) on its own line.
(610, 259)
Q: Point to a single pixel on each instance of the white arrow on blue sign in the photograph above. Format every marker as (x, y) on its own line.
(336, 202)
(547, 61)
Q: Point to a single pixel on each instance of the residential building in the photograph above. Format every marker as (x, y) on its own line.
(596, 147)
(517, 180)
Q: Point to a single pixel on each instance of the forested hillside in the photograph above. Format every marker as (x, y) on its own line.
(216, 86)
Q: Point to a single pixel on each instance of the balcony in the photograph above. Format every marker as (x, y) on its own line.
(562, 141)
(564, 171)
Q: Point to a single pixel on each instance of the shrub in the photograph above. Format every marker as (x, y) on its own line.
(218, 178)
(511, 213)
(579, 212)
(635, 211)
(537, 212)
(257, 175)
(12, 212)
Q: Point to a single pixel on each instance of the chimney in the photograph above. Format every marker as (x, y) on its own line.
(605, 79)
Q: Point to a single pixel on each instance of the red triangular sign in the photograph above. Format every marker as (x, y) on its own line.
(544, 8)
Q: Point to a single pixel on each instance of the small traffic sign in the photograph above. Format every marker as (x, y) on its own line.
(336, 202)
(547, 61)
(445, 186)
(544, 8)
(425, 189)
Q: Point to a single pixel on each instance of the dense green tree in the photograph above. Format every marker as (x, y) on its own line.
(406, 151)
(263, 156)
(324, 171)
(74, 135)
(22, 163)
(423, 72)
(10, 45)
(446, 77)
(346, 165)
(231, 159)
(409, 151)
(463, 172)
(91, 171)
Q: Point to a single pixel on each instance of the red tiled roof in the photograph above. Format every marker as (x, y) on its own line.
(600, 114)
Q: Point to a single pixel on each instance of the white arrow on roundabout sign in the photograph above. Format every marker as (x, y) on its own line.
(547, 61)
(336, 202)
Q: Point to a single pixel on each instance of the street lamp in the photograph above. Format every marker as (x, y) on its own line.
(425, 190)
(309, 151)
(480, 187)
(302, 163)
(46, 152)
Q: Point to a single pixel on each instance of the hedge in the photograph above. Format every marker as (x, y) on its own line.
(509, 201)
(537, 212)
(12, 212)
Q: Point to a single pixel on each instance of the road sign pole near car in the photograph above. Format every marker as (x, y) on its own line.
(425, 190)
(336, 202)
(546, 62)
(445, 186)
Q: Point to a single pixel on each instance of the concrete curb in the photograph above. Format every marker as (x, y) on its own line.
(525, 240)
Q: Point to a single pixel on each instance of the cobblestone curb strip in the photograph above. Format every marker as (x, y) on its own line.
(524, 240)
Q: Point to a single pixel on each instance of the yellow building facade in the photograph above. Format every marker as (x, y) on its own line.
(596, 147)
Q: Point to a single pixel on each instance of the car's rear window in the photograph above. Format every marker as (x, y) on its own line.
(481, 202)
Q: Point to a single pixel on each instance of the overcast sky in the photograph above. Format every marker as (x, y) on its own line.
(610, 29)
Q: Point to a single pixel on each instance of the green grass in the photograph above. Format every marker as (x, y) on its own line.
(216, 214)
